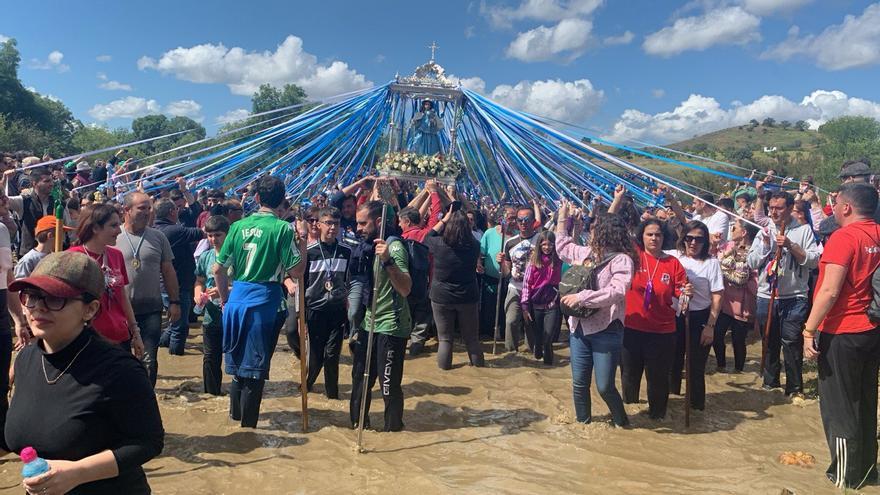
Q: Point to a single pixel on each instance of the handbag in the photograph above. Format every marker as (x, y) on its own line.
(579, 278)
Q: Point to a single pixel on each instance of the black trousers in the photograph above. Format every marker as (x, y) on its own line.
(848, 367)
(212, 358)
(387, 365)
(785, 335)
(699, 355)
(739, 330)
(5, 356)
(490, 309)
(545, 327)
(245, 396)
(462, 317)
(325, 344)
(653, 354)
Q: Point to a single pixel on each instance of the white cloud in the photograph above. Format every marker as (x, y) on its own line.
(476, 84)
(232, 116)
(244, 71)
(700, 114)
(725, 26)
(112, 85)
(853, 43)
(658, 93)
(567, 39)
(569, 101)
(470, 32)
(3, 38)
(129, 107)
(103, 58)
(624, 39)
(768, 7)
(184, 108)
(49, 97)
(539, 10)
(52, 62)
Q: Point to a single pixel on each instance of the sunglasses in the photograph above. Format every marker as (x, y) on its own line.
(523, 219)
(690, 238)
(53, 303)
(312, 220)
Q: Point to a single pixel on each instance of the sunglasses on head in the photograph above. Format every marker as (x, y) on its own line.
(692, 238)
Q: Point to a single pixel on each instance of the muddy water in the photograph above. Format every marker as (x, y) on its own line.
(502, 429)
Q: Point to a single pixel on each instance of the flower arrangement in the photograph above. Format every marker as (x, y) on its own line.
(405, 163)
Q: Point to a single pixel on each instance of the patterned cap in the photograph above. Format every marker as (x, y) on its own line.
(66, 274)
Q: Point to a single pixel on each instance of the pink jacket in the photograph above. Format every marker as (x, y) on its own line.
(535, 278)
(614, 279)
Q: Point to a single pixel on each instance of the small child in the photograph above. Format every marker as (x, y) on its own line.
(44, 234)
(207, 297)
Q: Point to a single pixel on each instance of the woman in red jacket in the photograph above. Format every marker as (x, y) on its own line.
(649, 333)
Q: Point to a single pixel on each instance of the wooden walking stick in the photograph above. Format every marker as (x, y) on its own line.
(687, 362)
(774, 290)
(499, 304)
(365, 389)
(58, 196)
(303, 352)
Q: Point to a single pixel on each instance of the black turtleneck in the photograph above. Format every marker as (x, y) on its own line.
(104, 401)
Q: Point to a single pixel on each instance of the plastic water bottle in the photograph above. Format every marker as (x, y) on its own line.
(33, 464)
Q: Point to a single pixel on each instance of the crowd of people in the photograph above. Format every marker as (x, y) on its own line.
(648, 292)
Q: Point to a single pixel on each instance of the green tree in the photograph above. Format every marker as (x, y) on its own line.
(769, 122)
(847, 138)
(785, 124)
(801, 125)
(269, 97)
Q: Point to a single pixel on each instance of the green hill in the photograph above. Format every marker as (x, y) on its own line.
(755, 137)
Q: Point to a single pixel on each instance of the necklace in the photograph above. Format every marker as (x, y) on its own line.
(135, 251)
(328, 275)
(649, 287)
(55, 380)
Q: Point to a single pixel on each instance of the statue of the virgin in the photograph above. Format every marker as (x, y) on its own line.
(424, 131)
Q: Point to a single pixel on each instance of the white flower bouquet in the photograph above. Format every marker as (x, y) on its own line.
(408, 165)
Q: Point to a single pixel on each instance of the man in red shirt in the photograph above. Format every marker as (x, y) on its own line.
(848, 345)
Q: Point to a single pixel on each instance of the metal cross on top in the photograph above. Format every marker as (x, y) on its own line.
(433, 47)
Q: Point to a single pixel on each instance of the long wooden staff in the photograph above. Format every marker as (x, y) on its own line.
(499, 304)
(366, 377)
(685, 304)
(303, 352)
(773, 293)
(58, 195)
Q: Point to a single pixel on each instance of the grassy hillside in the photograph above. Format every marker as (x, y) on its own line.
(748, 136)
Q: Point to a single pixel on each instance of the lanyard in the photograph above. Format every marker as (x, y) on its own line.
(327, 270)
(135, 251)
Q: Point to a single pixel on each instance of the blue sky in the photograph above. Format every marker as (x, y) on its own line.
(657, 70)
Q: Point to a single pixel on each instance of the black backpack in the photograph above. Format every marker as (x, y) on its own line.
(578, 278)
(419, 267)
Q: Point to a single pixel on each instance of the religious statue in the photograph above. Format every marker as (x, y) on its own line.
(424, 131)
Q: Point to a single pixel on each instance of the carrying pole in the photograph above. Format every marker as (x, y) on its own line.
(774, 291)
(498, 306)
(365, 389)
(303, 352)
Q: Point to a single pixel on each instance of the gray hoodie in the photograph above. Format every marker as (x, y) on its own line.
(793, 277)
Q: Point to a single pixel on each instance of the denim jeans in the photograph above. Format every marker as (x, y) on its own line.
(785, 334)
(151, 329)
(178, 331)
(601, 352)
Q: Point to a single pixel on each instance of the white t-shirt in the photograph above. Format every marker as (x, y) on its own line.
(718, 223)
(704, 275)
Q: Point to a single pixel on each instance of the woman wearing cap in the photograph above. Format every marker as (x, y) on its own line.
(98, 228)
(83, 403)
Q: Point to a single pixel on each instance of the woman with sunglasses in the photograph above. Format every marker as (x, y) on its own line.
(649, 333)
(98, 228)
(704, 274)
(740, 295)
(84, 404)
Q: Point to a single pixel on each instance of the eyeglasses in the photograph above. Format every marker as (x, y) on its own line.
(331, 224)
(52, 303)
(312, 220)
(698, 239)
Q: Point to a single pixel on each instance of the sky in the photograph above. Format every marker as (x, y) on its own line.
(657, 71)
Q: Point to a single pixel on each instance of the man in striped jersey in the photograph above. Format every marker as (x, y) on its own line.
(326, 281)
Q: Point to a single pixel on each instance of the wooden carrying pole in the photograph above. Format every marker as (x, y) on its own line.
(303, 352)
(499, 308)
(774, 291)
(365, 389)
(687, 368)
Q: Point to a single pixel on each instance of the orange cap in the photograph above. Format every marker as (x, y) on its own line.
(48, 222)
